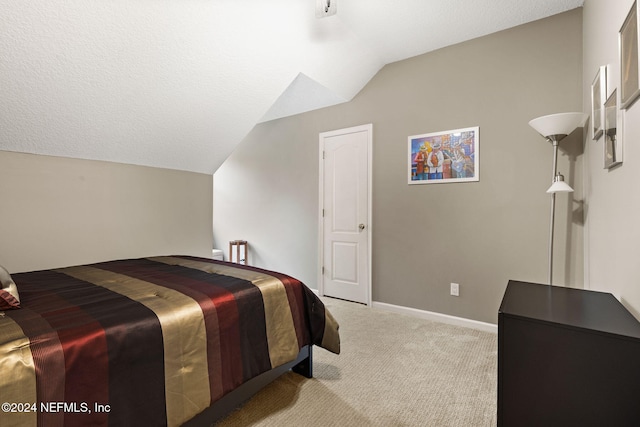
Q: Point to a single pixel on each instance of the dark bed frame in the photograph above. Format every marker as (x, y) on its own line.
(303, 365)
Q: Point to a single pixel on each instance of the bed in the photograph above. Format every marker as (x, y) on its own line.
(151, 341)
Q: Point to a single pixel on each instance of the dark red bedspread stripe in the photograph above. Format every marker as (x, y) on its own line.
(104, 361)
(48, 358)
(316, 316)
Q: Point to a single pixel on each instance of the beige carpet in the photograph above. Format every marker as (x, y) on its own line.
(394, 370)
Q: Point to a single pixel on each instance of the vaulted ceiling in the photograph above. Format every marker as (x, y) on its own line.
(179, 83)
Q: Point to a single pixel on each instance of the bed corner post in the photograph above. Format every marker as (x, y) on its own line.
(305, 366)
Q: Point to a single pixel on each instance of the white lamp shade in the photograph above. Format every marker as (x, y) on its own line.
(559, 186)
(558, 124)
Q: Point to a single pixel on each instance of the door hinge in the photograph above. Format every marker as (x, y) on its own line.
(323, 270)
(323, 155)
(322, 213)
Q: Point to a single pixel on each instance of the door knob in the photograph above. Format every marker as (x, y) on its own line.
(361, 227)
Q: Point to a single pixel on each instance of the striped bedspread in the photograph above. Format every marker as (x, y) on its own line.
(147, 342)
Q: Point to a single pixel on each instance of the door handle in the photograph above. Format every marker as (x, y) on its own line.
(361, 227)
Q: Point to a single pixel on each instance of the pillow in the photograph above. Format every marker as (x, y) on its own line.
(9, 297)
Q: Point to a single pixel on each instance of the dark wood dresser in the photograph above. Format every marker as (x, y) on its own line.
(566, 357)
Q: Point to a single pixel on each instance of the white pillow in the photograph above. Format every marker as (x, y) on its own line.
(9, 297)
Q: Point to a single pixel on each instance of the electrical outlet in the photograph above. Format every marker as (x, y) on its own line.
(455, 289)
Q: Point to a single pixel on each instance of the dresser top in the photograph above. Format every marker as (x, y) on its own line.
(580, 308)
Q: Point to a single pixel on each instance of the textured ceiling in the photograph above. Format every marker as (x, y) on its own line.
(179, 83)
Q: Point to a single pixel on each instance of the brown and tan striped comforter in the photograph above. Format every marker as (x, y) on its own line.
(151, 341)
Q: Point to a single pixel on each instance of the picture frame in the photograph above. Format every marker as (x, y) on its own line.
(612, 142)
(598, 96)
(444, 157)
(628, 51)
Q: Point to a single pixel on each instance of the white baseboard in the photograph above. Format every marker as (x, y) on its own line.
(437, 317)
(430, 315)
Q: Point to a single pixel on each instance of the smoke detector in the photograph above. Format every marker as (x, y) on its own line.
(326, 8)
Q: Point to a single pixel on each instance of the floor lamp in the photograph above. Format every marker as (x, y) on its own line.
(554, 128)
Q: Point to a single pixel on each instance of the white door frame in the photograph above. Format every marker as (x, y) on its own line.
(322, 135)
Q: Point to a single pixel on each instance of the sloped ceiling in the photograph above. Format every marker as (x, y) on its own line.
(179, 83)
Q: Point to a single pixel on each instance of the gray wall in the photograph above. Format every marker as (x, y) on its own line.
(58, 211)
(425, 236)
(612, 226)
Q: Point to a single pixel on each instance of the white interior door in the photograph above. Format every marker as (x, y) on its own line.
(345, 224)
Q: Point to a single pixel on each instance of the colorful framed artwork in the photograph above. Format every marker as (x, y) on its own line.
(444, 157)
(598, 96)
(628, 49)
(612, 142)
